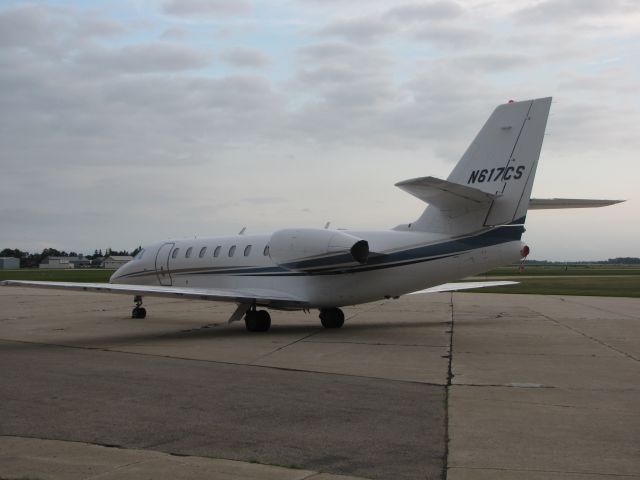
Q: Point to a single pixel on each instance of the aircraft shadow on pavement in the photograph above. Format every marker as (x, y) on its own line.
(237, 332)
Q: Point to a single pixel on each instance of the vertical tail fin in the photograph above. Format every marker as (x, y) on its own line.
(501, 162)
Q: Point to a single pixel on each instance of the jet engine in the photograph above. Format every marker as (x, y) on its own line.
(314, 249)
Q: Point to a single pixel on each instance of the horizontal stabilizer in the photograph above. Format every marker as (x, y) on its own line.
(552, 203)
(444, 194)
(454, 287)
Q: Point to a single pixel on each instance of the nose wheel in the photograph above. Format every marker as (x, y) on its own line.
(331, 317)
(138, 311)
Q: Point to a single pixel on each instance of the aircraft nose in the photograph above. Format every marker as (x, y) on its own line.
(115, 277)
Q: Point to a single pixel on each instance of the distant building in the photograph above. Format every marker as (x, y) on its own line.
(9, 263)
(56, 263)
(116, 261)
(97, 262)
(80, 261)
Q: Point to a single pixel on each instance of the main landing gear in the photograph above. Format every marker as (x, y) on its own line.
(331, 317)
(138, 311)
(257, 320)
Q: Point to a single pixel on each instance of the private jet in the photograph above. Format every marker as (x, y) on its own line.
(473, 222)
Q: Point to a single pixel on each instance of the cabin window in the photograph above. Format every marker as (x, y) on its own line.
(247, 250)
(266, 251)
(175, 252)
(216, 252)
(188, 252)
(232, 250)
(203, 250)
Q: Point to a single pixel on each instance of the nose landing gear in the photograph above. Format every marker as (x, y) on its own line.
(138, 311)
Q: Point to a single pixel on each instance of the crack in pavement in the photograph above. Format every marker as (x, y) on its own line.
(563, 299)
(585, 335)
(447, 439)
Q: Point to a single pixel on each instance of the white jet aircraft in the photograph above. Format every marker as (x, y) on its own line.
(474, 222)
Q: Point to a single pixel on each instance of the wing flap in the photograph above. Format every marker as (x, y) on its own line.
(273, 298)
(454, 287)
(554, 203)
(444, 194)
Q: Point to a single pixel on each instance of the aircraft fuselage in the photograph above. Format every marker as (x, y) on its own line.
(399, 263)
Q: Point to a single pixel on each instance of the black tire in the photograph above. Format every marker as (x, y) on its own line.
(257, 321)
(142, 312)
(331, 317)
(251, 321)
(264, 321)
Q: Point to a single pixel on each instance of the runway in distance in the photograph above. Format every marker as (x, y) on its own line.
(473, 222)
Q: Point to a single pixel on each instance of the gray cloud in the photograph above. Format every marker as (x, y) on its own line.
(452, 36)
(552, 11)
(190, 8)
(359, 30)
(245, 57)
(29, 25)
(495, 63)
(430, 11)
(143, 58)
(107, 136)
(46, 27)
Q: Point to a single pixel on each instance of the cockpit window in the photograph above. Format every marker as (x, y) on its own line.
(175, 252)
(139, 254)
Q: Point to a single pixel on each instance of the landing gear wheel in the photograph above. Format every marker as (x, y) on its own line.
(139, 312)
(257, 321)
(331, 317)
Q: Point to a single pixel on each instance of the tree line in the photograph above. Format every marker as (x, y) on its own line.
(610, 261)
(28, 259)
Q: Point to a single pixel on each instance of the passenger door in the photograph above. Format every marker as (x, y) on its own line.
(162, 264)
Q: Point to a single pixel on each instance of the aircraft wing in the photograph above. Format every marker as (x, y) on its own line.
(271, 298)
(453, 287)
(552, 203)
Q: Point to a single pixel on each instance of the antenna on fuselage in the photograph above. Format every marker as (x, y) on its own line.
(327, 225)
(242, 231)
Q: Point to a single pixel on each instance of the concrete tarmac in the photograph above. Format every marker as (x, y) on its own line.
(428, 386)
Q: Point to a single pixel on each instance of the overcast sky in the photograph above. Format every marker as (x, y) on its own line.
(128, 122)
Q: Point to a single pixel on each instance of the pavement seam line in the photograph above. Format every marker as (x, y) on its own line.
(564, 299)
(593, 339)
(219, 362)
(117, 467)
(159, 452)
(447, 388)
(261, 357)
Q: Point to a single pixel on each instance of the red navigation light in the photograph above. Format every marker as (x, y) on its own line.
(524, 252)
(510, 101)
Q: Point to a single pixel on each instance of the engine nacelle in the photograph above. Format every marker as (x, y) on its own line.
(315, 249)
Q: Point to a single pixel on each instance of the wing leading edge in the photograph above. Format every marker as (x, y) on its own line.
(270, 298)
(454, 287)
